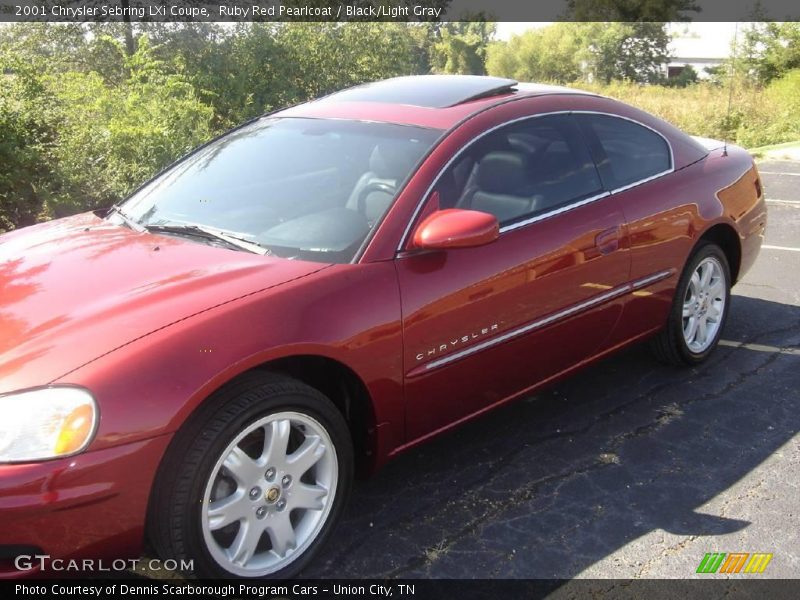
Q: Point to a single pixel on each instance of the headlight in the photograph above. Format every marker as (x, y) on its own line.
(46, 423)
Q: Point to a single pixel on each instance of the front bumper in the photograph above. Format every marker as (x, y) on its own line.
(89, 506)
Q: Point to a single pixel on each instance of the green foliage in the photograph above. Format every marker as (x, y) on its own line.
(758, 116)
(257, 68)
(630, 11)
(565, 52)
(687, 76)
(769, 50)
(27, 130)
(783, 98)
(53, 46)
(550, 53)
(231, 72)
(629, 51)
(112, 138)
(320, 58)
(74, 139)
(461, 48)
(83, 120)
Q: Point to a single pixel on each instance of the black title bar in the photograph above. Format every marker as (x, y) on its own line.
(398, 589)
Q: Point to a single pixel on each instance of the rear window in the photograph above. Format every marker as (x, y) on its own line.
(629, 152)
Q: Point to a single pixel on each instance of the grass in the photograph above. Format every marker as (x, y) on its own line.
(791, 149)
(757, 116)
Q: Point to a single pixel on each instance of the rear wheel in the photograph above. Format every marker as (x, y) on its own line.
(699, 309)
(254, 484)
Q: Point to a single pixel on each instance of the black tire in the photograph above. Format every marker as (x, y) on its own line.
(670, 346)
(176, 516)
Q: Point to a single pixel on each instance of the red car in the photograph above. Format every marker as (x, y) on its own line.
(208, 364)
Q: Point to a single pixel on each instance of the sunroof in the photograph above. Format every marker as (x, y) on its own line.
(432, 91)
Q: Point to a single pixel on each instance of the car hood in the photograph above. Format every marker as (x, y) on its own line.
(74, 289)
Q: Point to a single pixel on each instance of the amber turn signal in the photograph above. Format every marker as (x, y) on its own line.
(75, 430)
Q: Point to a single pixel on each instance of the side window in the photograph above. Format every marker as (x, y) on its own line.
(627, 152)
(522, 170)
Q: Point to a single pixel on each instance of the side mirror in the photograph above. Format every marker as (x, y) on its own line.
(456, 228)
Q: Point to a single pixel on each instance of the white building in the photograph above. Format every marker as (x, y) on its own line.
(706, 48)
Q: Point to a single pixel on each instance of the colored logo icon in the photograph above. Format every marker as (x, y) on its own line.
(734, 562)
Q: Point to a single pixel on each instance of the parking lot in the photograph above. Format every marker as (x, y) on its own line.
(627, 470)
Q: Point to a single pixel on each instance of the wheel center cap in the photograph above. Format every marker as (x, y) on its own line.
(272, 494)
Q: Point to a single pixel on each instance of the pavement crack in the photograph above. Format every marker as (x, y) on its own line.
(619, 440)
(669, 550)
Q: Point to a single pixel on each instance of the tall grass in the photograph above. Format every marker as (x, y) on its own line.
(758, 116)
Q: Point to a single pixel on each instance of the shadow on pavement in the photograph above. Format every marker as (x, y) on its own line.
(548, 486)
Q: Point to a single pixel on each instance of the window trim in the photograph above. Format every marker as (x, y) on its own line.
(556, 211)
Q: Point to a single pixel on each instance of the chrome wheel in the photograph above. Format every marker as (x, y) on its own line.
(704, 305)
(269, 494)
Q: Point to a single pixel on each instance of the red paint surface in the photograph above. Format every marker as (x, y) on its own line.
(456, 228)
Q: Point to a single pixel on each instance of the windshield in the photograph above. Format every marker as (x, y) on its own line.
(301, 188)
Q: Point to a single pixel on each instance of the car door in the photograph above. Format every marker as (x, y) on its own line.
(634, 162)
(483, 324)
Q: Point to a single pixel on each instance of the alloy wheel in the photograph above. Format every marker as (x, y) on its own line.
(704, 305)
(269, 494)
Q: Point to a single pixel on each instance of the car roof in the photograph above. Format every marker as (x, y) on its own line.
(437, 101)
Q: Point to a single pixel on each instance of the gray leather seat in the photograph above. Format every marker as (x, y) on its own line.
(501, 187)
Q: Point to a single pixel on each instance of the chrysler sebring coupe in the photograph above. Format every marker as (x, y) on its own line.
(208, 364)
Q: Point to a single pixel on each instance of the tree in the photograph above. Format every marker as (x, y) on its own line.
(249, 69)
(83, 120)
(112, 138)
(52, 46)
(769, 50)
(566, 52)
(461, 47)
(547, 54)
(628, 51)
(630, 11)
(27, 134)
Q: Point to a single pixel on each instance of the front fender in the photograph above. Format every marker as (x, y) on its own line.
(348, 313)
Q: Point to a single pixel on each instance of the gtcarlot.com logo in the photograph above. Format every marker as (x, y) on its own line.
(734, 562)
(44, 562)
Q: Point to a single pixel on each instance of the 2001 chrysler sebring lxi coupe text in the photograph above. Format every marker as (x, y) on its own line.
(207, 364)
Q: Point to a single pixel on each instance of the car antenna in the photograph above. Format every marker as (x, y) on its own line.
(730, 85)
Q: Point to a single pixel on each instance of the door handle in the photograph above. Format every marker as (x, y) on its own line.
(607, 241)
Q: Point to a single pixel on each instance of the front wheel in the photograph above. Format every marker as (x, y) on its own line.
(699, 309)
(254, 484)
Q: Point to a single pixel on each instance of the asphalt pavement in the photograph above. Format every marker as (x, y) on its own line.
(630, 469)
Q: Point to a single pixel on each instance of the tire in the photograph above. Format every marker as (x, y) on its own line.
(682, 341)
(254, 483)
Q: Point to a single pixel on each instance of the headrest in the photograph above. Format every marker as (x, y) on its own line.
(391, 161)
(502, 173)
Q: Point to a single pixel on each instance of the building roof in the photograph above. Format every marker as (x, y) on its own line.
(685, 48)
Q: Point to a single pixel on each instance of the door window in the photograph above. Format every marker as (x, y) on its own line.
(522, 170)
